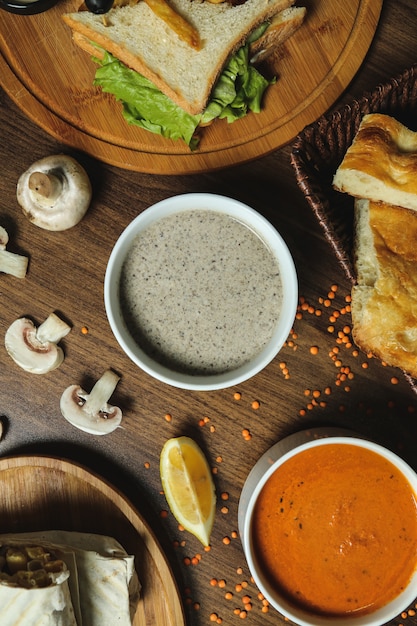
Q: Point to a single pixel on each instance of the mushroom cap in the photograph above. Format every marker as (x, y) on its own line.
(27, 351)
(4, 238)
(105, 421)
(61, 210)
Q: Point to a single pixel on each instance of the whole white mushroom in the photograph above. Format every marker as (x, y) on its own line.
(54, 192)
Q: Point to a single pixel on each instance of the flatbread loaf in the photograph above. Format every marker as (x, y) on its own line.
(381, 163)
(384, 300)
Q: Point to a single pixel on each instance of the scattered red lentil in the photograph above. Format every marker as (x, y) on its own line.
(84, 330)
(394, 380)
(224, 495)
(147, 465)
(226, 541)
(255, 404)
(246, 434)
(237, 395)
(168, 417)
(163, 513)
(224, 510)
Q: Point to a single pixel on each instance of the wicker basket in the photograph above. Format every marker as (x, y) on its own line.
(320, 148)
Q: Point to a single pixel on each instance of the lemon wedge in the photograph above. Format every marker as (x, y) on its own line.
(188, 486)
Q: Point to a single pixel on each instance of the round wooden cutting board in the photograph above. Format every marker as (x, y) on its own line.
(44, 493)
(51, 80)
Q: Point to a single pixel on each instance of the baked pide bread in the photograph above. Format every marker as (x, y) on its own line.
(380, 171)
(381, 163)
(384, 300)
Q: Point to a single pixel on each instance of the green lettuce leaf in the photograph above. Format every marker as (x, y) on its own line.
(238, 91)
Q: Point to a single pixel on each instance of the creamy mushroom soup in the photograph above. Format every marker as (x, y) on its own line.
(200, 292)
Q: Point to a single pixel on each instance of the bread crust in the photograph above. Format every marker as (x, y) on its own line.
(381, 163)
(384, 300)
(185, 75)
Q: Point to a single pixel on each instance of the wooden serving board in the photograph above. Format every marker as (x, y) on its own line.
(51, 79)
(43, 493)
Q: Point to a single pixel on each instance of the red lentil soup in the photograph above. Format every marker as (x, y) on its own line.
(335, 530)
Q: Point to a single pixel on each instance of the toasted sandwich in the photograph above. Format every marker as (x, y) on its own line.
(178, 66)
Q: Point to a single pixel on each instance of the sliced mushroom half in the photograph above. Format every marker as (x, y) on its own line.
(54, 192)
(91, 412)
(36, 349)
(11, 263)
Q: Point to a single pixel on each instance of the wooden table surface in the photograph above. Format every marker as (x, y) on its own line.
(300, 389)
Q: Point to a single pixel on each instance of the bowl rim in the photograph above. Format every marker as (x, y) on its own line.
(250, 218)
(296, 444)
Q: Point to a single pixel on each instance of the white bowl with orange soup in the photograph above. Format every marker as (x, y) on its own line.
(201, 291)
(329, 528)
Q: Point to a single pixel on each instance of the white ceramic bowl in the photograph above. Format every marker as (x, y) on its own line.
(255, 222)
(257, 478)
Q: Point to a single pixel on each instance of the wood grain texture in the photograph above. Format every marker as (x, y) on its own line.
(46, 493)
(51, 80)
(66, 273)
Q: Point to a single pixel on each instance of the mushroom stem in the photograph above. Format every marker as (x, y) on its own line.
(52, 330)
(13, 264)
(46, 187)
(4, 238)
(100, 394)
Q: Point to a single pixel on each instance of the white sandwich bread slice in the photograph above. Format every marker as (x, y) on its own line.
(282, 26)
(384, 300)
